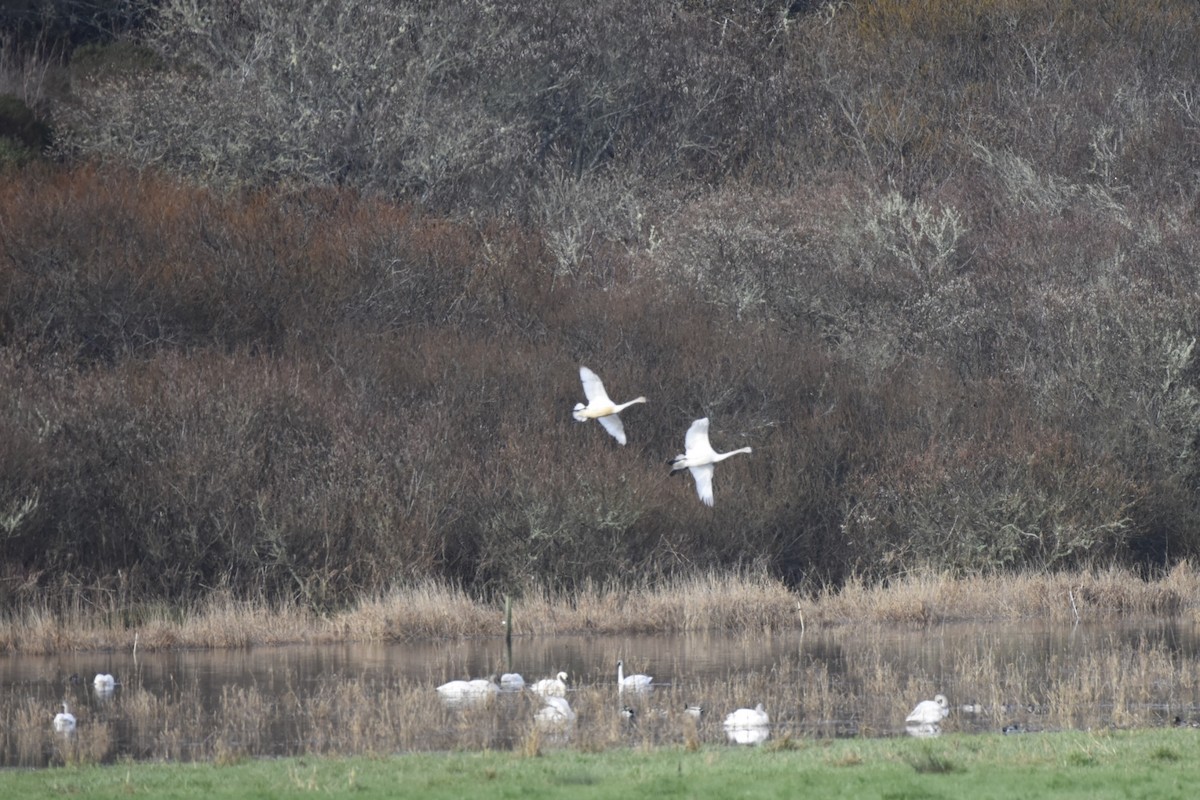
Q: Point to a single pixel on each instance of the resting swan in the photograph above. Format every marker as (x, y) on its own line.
(756, 717)
(557, 711)
(632, 683)
(512, 681)
(460, 690)
(104, 683)
(600, 407)
(64, 721)
(929, 712)
(551, 687)
(700, 458)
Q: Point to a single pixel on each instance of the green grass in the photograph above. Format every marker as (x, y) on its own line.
(1147, 763)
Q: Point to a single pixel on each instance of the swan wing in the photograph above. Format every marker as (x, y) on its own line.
(696, 439)
(593, 389)
(612, 423)
(927, 711)
(704, 475)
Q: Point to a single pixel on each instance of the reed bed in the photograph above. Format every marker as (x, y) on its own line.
(704, 602)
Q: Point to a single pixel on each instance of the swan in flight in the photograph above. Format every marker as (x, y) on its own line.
(929, 712)
(64, 721)
(551, 687)
(600, 407)
(556, 712)
(632, 683)
(756, 717)
(700, 458)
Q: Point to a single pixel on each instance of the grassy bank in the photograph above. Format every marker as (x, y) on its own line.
(1149, 763)
(704, 602)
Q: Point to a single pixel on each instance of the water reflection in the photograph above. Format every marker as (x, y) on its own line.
(382, 698)
(923, 730)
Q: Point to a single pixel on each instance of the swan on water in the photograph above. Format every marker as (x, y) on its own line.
(476, 689)
(700, 458)
(632, 683)
(103, 682)
(599, 407)
(64, 721)
(551, 687)
(756, 717)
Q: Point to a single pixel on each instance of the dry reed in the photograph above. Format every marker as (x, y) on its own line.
(704, 602)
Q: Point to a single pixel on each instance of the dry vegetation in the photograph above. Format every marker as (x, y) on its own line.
(292, 314)
(716, 601)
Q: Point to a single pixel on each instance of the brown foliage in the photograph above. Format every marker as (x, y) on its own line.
(934, 261)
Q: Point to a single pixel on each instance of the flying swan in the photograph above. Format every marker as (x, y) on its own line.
(700, 458)
(600, 407)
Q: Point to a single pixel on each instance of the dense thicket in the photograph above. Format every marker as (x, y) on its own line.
(299, 309)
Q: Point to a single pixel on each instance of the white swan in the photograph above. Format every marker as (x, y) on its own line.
(700, 458)
(756, 717)
(477, 689)
(632, 683)
(557, 711)
(512, 681)
(600, 407)
(64, 721)
(696, 712)
(929, 712)
(551, 687)
(104, 683)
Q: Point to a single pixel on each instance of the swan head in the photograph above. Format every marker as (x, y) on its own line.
(562, 676)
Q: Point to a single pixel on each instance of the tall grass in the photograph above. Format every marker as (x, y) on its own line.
(708, 602)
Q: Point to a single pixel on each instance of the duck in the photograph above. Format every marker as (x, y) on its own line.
(756, 717)
(632, 683)
(551, 687)
(64, 721)
(599, 407)
(557, 711)
(929, 712)
(700, 457)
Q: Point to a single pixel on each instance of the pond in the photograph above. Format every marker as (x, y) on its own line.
(382, 698)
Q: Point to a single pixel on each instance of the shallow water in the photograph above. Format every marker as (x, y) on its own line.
(381, 698)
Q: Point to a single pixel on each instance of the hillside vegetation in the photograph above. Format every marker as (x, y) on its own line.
(292, 305)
